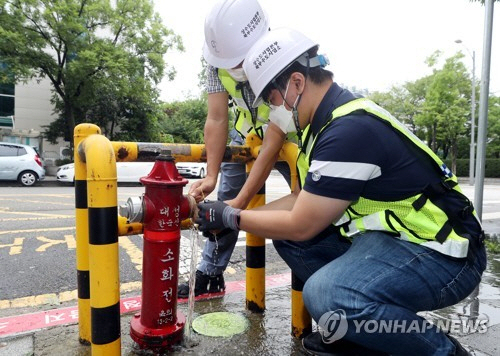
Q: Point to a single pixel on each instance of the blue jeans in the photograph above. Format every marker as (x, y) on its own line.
(216, 255)
(381, 278)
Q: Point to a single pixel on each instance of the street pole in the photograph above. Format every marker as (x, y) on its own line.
(472, 122)
(472, 149)
(482, 123)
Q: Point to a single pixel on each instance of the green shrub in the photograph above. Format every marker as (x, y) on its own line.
(491, 170)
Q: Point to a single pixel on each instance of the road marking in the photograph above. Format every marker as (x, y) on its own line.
(39, 195)
(68, 239)
(36, 214)
(491, 216)
(133, 251)
(16, 247)
(57, 298)
(39, 201)
(36, 219)
(37, 230)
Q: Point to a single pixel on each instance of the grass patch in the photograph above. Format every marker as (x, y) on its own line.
(493, 246)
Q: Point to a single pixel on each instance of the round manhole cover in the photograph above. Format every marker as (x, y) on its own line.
(220, 324)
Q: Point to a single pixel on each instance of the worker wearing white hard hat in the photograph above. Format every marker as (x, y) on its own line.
(380, 229)
(231, 28)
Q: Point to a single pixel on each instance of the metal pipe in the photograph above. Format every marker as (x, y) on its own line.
(472, 148)
(255, 246)
(147, 152)
(99, 156)
(483, 109)
(301, 320)
(81, 132)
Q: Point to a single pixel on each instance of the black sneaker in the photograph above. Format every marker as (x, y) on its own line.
(205, 284)
(313, 345)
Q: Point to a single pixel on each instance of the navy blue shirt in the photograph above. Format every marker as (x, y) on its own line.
(359, 155)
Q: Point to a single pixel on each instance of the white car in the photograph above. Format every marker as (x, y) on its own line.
(192, 169)
(21, 163)
(131, 172)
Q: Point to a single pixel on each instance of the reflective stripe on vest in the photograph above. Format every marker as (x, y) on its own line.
(423, 225)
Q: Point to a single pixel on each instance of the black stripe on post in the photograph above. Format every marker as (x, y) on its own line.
(297, 284)
(83, 284)
(105, 324)
(81, 194)
(103, 225)
(256, 256)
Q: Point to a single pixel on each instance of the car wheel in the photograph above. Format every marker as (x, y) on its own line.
(202, 173)
(27, 178)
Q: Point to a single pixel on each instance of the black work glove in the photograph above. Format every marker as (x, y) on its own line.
(217, 215)
(218, 235)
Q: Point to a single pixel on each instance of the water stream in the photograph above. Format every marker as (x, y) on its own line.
(195, 242)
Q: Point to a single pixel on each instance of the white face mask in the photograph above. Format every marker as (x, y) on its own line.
(282, 117)
(237, 74)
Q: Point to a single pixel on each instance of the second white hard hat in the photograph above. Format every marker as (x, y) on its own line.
(231, 28)
(271, 55)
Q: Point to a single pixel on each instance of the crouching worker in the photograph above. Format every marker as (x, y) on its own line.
(380, 229)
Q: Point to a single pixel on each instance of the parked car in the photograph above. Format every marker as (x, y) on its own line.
(127, 172)
(131, 172)
(21, 163)
(192, 169)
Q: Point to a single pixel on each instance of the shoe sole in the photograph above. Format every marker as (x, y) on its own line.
(315, 353)
(342, 353)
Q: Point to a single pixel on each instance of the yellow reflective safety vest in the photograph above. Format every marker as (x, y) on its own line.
(420, 219)
(244, 123)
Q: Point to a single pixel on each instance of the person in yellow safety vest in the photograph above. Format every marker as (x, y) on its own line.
(231, 28)
(379, 230)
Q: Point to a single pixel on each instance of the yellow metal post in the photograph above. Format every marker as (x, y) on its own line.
(256, 247)
(103, 245)
(81, 132)
(301, 320)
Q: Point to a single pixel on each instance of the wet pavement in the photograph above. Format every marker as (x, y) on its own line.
(269, 332)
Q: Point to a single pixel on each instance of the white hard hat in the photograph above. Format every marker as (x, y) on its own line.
(271, 55)
(231, 28)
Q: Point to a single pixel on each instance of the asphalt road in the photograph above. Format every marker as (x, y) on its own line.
(38, 247)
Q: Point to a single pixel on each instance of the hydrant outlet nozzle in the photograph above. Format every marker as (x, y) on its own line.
(133, 210)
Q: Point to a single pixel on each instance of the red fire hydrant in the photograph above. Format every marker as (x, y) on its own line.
(159, 325)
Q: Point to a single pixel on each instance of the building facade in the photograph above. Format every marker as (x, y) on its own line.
(24, 111)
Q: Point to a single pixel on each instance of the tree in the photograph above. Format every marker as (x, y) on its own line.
(399, 102)
(446, 108)
(185, 120)
(493, 147)
(107, 53)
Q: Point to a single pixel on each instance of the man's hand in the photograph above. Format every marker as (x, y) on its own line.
(236, 203)
(217, 215)
(202, 188)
